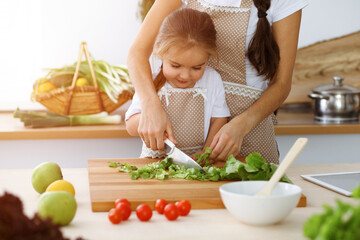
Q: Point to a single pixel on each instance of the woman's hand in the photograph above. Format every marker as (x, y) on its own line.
(155, 127)
(227, 142)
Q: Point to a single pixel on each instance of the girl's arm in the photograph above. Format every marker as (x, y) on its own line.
(153, 122)
(132, 124)
(228, 140)
(215, 125)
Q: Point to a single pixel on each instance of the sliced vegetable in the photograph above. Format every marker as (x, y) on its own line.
(255, 168)
(203, 159)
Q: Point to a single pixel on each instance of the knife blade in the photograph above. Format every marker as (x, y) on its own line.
(180, 158)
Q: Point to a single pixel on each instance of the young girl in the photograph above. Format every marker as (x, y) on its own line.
(191, 93)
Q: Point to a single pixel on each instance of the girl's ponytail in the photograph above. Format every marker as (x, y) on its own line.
(263, 51)
(160, 80)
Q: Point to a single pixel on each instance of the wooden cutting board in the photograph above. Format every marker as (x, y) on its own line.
(107, 185)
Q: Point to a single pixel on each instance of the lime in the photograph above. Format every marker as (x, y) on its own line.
(60, 206)
(44, 174)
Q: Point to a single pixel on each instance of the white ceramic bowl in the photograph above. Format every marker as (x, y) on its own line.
(239, 198)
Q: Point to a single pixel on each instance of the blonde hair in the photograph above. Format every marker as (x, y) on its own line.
(184, 29)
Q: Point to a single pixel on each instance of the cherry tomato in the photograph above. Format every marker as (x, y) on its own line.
(114, 217)
(184, 207)
(123, 210)
(160, 205)
(144, 212)
(122, 200)
(171, 212)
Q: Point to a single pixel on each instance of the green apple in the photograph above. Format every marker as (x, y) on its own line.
(44, 174)
(60, 206)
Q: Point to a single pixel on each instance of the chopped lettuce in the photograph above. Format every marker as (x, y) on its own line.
(203, 159)
(255, 168)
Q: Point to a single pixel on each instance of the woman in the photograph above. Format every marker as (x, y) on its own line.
(255, 61)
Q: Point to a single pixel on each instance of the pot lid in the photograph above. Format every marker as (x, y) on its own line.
(336, 88)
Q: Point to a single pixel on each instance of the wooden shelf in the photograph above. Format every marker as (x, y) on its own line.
(303, 123)
(289, 123)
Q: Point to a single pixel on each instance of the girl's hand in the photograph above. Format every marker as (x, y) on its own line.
(226, 142)
(154, 127)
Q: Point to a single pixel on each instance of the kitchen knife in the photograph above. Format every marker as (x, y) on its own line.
(180, 158)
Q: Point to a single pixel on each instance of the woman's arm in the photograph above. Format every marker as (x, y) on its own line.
(153, 122)
(228, 141)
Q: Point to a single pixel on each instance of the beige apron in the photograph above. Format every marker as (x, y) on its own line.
(231, 26)
(185, 110)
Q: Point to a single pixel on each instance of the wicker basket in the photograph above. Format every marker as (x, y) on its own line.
(75, 100)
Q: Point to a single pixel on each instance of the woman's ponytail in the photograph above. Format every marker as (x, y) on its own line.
(263, 51)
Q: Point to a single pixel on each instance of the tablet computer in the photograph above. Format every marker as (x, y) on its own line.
(342, 182)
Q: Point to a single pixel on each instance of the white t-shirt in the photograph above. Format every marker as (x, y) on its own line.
(215, 103)
(278, 10)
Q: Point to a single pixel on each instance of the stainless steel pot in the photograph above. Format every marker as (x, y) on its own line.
(336, 102)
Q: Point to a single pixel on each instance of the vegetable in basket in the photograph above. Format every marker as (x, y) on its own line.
(49, 119)
(112, 79)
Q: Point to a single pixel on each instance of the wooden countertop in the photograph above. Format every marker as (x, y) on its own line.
(200, 224)
(301, 122)
(289, 123)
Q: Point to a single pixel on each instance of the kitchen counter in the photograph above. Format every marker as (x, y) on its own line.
(200, 224)
(290, 122)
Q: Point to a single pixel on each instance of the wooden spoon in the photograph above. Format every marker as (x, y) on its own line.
(289, 158)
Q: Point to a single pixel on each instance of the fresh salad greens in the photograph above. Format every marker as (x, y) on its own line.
(339, 222)
(126, 167)
(255, 168)
(203, 159)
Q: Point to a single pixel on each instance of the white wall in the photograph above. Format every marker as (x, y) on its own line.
(38, 34)
(41, 34)
(108, 26)
(327, 19)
